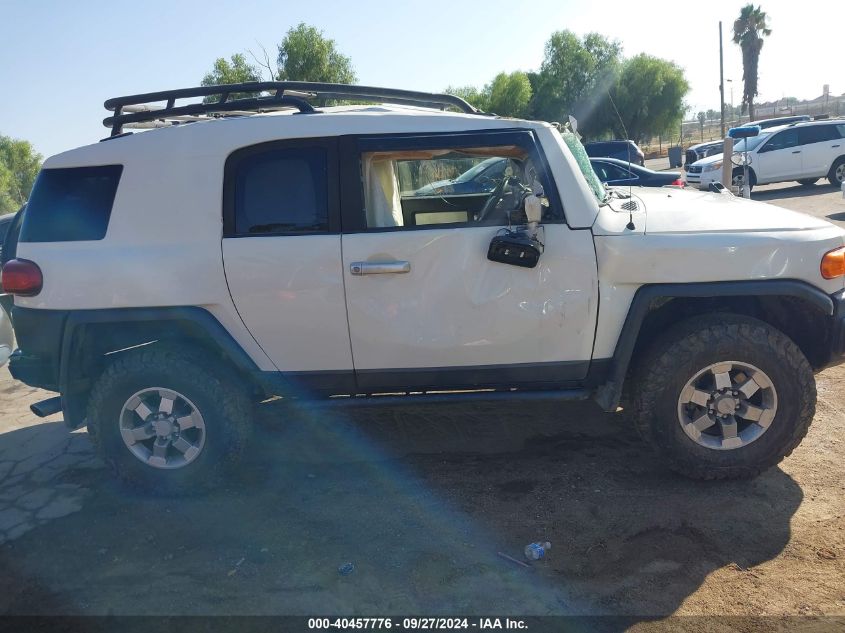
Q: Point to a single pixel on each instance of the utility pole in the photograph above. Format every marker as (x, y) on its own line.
(721, 80)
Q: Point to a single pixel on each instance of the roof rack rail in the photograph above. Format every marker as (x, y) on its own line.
(133, 109)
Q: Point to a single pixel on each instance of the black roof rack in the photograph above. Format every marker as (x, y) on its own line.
(137, 108)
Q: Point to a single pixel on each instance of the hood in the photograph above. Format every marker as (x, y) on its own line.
(686, 211)
(713, 158)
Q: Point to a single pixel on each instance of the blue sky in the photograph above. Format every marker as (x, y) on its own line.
(60, 60)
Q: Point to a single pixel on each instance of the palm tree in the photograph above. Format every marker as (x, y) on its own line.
(749, 31)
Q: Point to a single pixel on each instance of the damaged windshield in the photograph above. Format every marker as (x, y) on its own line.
(577, 148)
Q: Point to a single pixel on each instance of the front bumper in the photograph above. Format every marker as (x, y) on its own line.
(703, 179)
(837, 332)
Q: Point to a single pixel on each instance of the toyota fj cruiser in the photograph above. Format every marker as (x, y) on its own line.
(166, 281)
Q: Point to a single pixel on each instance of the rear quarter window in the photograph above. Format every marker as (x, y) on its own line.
(71, 204)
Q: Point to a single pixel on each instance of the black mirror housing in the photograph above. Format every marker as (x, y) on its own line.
(517, 248)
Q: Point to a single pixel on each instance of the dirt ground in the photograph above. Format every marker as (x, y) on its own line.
(421, 501)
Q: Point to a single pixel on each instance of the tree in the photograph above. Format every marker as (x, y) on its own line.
(472, 95)
(575, 77)
(19, 165)
(235, 71)
(305, 55)
(509, 94)
(712, 114)
(702, 117)
(648, 97)
(749, 30)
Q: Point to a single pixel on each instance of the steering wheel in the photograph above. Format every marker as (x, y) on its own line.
(494, 199)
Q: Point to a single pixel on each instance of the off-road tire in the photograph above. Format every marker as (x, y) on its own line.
(219, 395)
(694, 344)
(837, 172)
(808, 182)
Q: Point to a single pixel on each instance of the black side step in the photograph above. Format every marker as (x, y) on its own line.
(47, 407)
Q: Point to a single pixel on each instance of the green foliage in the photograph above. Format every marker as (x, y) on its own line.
(19, 165)
(305, 55)
(649, 96)
(235, 71)
(509, 95)
(749, 30)
(714, 114)
(574, 79)
(472, 95)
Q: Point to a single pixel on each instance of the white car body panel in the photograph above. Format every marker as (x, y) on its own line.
(714, 238)
(289, 292)
(456, 308)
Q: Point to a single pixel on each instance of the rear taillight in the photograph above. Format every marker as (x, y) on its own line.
(677, 183)
(22, 277)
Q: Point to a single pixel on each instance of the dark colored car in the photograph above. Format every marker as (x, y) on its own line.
(620, 173)
(5, 223)
(702, 150)
(621, 150)
(481, 178)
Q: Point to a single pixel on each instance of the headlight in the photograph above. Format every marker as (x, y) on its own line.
(713, 166)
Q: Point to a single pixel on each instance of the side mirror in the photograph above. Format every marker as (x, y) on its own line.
(517, 248)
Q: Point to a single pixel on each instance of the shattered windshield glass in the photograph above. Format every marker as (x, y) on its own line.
(577, 148)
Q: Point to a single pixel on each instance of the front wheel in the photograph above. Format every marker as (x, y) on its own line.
(837, 172)
(723, 396)
(168, 420)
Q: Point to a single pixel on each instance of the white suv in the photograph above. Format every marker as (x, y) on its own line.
(804, 152)
(165, 282)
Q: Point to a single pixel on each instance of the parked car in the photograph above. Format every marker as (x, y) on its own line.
(167, 282)
(711, 148)
(622, 150)
(621, 173)
(482, 177)
(804, 152)
(701, 150)
(778, 121)
(5, 223)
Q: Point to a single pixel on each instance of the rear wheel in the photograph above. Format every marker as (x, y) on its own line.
(169, 420)
(837, 172)
(807, 182)
(723, 396)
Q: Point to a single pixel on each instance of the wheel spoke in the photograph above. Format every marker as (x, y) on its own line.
(703, 422)
(721, 376)
(166, 403)
(730, 439)
(185, 447)
(696, 396)
(763, 417)
(159, 456)
(131, 436)
(749, 388)
(137, 405)
(190, 421)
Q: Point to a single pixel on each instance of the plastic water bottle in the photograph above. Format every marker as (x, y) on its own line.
(536, 551)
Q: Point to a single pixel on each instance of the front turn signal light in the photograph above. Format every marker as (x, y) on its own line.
(833, 263)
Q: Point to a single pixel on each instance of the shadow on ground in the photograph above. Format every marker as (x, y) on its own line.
(798, 191)
(420, 501)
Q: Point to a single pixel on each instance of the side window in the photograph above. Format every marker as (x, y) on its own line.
(71, 204)
(473, 185)
(841, 130)
(818, 134)
(781, 140)
(614, 172)
(279, 191)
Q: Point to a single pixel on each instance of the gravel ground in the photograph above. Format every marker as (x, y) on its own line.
(421, 501)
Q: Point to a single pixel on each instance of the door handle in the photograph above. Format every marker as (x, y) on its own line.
(798, 151)
(837, 145)
(380, 268)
